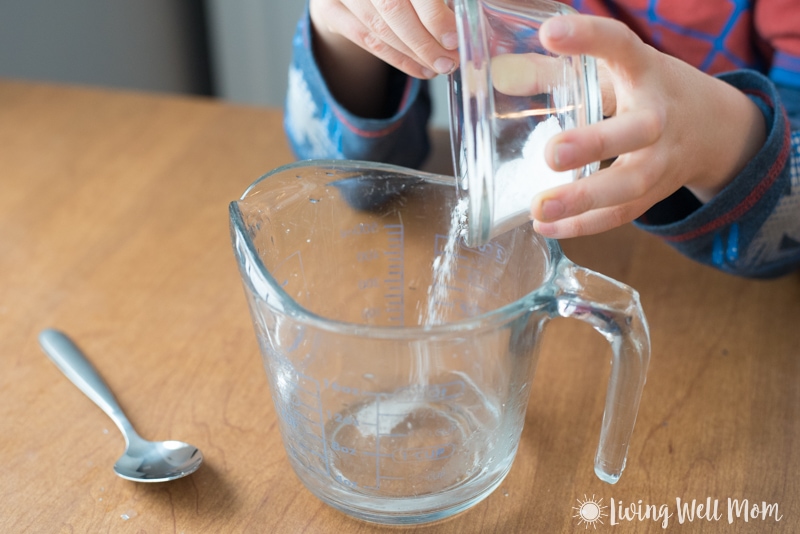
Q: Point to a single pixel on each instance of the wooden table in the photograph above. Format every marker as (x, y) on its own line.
(114, 228)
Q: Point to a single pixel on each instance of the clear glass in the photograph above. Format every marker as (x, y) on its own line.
(385, 413)
(507, 99)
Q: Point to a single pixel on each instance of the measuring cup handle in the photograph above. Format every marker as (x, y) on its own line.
(613, 309)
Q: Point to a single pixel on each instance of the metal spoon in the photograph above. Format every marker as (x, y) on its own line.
(143, 461)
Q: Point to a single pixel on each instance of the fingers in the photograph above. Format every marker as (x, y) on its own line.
(439, 20)
(622, 192)
(604, 140)
(601, 37)
(429, 29)
(416, 36)
(336, 26)
(606, 199)
(526, 74)
(590, 223)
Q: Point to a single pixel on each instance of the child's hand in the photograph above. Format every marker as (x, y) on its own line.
(417, 37)
(673, 126)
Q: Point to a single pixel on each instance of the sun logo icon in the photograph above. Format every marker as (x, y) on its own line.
(590, 511)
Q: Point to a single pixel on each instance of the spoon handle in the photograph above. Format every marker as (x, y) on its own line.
(72, 362)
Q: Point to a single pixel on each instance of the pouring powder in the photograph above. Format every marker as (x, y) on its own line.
(516, 183)
(399, 409)
(444, 267)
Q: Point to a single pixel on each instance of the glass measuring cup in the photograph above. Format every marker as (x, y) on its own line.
(401, 393)
(507, 99)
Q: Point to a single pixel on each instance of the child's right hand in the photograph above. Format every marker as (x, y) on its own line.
(417, 37)
(673, 126)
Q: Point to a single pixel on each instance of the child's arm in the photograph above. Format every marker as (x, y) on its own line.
(673, 126)
(340, 115)
(706, 163)
(417, 37)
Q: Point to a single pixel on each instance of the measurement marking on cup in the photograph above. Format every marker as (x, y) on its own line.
(424, 454)
(367, 283)
(367, 255)
(305, 417)
(308, 389)
(360, 229)
(395, 305)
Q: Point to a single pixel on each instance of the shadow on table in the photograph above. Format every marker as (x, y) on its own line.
(205, 493)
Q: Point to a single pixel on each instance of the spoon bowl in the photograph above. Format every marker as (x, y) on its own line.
(158, 461)
(143, 460)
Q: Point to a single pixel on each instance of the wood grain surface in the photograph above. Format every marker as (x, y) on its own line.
(114, 228)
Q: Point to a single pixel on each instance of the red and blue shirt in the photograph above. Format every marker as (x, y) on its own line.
(752, 228)
(715, 36)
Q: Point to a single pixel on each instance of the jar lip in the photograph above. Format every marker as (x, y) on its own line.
(476, 151)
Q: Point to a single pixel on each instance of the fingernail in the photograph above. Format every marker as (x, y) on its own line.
(552, 209)
(428, 73)
(450, 40)
(556, 28)
(444, 65)
(564, 156)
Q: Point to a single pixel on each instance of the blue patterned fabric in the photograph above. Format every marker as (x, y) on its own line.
(750, 229)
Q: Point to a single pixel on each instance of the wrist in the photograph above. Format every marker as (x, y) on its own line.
(355, 78)
(738, 136)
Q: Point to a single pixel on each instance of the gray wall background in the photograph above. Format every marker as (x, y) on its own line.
(154, 45)
(237, 50)
(251, 46)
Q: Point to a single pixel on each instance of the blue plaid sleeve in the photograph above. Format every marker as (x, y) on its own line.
(318, 127)
(752, 228)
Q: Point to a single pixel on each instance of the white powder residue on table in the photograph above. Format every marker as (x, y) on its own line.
(516, 182)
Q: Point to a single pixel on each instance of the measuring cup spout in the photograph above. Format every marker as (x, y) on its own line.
(244, 227)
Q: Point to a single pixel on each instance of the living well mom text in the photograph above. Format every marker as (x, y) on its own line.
(685, 511)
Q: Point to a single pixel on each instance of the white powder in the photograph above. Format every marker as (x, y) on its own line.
(516, 182)
(444, 266)
(394, 414)
(387, 415)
